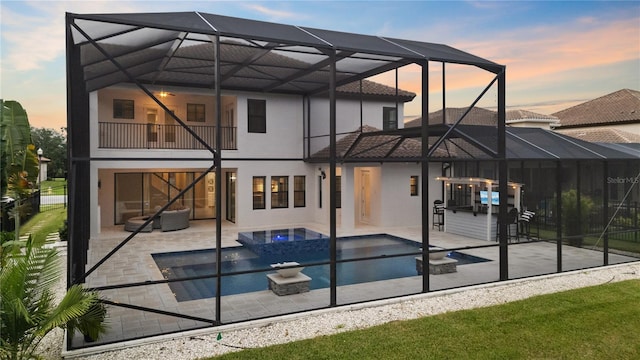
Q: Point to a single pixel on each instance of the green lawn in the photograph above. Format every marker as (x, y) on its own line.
(599, 322)
(49, 221)
(57, 187)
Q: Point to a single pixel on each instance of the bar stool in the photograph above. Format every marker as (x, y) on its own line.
(512, 220)
(438, 215)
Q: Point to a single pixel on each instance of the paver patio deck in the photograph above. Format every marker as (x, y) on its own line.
(134, 263)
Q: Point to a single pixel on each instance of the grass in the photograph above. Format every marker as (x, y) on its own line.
(49, 221)
(589, 323)
(58, 187)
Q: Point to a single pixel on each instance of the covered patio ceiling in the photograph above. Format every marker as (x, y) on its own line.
(179, 49)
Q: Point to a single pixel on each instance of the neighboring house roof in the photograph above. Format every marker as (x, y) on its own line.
(477, 116)
(602, 135)
(519, 115)
(481, 116)
(620, 107)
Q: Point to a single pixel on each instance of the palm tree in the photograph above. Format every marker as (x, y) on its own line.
(27, 302)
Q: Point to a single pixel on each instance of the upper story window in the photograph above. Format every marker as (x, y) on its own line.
(279, 192)
(257, 115)
(195, 112)
(123, 109)
(389, 118)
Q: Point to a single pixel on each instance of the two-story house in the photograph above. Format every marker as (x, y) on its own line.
(146, 152)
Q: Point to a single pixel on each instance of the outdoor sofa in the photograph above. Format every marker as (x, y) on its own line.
(168, 220)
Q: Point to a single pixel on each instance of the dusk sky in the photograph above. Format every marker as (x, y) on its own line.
(557, 53)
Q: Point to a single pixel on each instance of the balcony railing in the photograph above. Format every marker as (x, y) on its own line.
(155, 136)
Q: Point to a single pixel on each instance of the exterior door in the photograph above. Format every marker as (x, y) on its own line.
(365, 196)
(152, 125)
(170, 126)
(231, 197)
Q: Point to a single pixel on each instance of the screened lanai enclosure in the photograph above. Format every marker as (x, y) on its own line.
(261, 135)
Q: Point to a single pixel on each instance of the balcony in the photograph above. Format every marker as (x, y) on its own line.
(155, 136)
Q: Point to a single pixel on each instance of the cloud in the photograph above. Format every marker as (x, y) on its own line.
(530, 53)
(273, 13)
(28, 41)
(35, 36)
(580, 58)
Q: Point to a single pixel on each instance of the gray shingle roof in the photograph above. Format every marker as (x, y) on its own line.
(622, 106)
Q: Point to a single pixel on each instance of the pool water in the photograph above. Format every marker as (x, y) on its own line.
(175, 265)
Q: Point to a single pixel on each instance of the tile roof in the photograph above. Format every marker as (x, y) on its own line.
(371, 147)
(602, 135)
(377, 146)
(622, 106)
(518, 114)
(375, 89)
(477, 116)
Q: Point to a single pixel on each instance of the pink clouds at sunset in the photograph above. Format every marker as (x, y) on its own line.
(556, 53)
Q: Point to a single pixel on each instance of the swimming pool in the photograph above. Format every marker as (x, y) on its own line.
(175, 265)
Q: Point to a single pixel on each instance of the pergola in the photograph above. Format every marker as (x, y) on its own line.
(221, 53)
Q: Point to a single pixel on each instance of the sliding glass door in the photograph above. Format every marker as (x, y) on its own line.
(144, 193)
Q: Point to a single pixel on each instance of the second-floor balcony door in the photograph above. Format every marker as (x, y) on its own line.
(170, 125)
(152, 126)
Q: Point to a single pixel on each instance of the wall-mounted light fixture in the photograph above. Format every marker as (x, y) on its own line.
(322, 173)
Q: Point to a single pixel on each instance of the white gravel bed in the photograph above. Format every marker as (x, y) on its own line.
(198, 344)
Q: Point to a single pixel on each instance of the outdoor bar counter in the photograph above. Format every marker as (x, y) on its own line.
(468, 210)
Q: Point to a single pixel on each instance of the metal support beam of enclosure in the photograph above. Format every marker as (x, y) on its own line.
(217, 160)
(333, 251)
(502, 177)
(425, 171)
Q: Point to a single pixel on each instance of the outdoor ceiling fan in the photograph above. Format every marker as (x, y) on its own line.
(164, 94)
